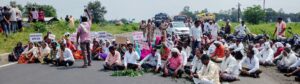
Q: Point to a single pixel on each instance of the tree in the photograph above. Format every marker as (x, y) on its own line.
(254, 14)
(98, 11)
(49, 10)
(271, 15)
(186, 11)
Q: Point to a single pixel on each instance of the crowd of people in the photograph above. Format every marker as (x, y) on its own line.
(11, 19)
(206, 58)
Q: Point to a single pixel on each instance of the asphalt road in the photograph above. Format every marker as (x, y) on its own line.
(44, 74)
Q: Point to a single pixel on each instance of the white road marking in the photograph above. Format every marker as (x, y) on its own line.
(5, 65)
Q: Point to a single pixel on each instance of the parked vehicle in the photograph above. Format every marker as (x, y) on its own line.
(180, 18)
(178, 28)
(158, 18)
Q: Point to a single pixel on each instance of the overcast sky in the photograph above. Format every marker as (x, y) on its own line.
(144, 9)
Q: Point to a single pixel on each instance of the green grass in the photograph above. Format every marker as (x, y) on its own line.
(268, 27)
(59, 28)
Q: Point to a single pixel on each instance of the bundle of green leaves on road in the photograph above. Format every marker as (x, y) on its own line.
(129, 73)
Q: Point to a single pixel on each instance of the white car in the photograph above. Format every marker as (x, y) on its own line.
(178, 28)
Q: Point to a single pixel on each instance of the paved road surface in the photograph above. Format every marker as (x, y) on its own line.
(44, 74)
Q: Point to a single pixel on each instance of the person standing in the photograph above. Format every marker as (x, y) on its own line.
(34, 14)
(227, 28)
(6, 23)
(13, 19)
(280, 29)
(83, 32)
(143, 27)
(195, 35)
(41, 14)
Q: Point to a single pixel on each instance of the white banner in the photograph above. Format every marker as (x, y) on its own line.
(102, 35)
(137, 35)
(36, 37)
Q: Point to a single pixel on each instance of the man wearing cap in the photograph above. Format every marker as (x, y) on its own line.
(265, 56)
(219, 53)
(173, 65)
(209, 73)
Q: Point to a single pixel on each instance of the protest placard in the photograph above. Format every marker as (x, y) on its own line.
(36, 37)
(109, 36)
(94, 35)
(51, 36)
(121, 40)
(102, 35)
(137, 35)
(73, 37)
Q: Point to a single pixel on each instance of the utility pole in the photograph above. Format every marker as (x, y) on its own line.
(239, 10)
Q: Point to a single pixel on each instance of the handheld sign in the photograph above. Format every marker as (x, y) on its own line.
(51, 36)
(109, 36)
(94, 35)
(102, 35)
(121, 40)
(137, 35)
(73, 37)
(36, 37)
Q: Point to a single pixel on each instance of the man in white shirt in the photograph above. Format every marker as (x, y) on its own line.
(252, 63)
(229, 70)
(238, 49)
(265, 56)
(288, 59)
(34, 14)
(196, 64)
(65, 56)
(13, 18)
(214, 29)
(152, 61)
(241, 30)
(196, 34)
(131, 57)
(209, 73)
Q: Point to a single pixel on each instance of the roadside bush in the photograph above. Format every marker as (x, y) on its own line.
(39, 27)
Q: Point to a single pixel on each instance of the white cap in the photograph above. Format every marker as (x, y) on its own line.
(175, 50)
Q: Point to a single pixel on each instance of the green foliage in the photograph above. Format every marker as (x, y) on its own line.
(98, 11)
(254, 14)
(49, 10)
(39, 27)
(129, 73)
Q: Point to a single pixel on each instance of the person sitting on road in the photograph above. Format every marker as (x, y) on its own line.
(252, 63)
(238, 49)
(219, 53)
(209, 73)
(229, 70)
(165, 50)
(152, 61)
(131, 57)
(27, 56)
(265, 56)
(295, 70)
(184, 56)
(14, 56)
(113, 60)
(288, 58)
(241, 30)
(51, 58)
(278, 47)
(173, 65)
(196, 64)
(65, 56)
(95, 50)
(45, 51)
